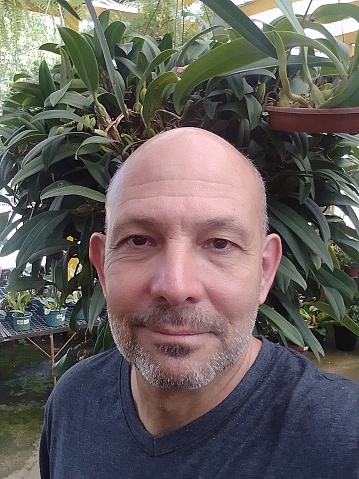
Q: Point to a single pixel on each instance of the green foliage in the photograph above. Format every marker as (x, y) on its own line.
(324, 82)
(18, 301)
(21, 32)
(66, 131)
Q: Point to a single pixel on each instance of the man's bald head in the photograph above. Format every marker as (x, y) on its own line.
(196, 153)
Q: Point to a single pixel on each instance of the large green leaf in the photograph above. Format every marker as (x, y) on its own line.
(83, 58)
(242, 24)
(17, 283)
(335, 300)
(153, 96)
(302, 229)
(66, 6)
(97, 304)
(17, 240)
(286, 8)
(4, 217)
(46, 82)
(317, 216)
(190, 43)
(296, 247)
(115, 77)
(350, 324)
(26, 136)
(72, 190)
(231, 57)
(298, 320)
(57, 95)
(287, 268)
(38, 148)
(281, 324)
(37, 235)
(59, 114)
(114, 34)
(98, 172)
(50, 247)
(31, 168)
(156, 62)
(93, 141)
(132, 66)
(337, 280)
(335, 13)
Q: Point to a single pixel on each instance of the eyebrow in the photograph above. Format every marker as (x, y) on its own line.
(217, 223)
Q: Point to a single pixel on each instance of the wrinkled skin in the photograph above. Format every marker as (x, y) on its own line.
(185, 264)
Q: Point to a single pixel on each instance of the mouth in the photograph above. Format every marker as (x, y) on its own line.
(175, 335)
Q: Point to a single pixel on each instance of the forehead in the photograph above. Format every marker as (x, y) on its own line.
(189, 176)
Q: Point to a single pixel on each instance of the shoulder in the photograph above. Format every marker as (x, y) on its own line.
(309, 386)
(95, 372)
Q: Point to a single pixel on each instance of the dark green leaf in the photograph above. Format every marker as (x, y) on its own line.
(281, 324)
(242, 24)
(46, 82)
(17, 240)
(287, 268)
(72, 190)
(231, 57)
(83, 58)
(37, 236)
(153, 97)
(97, 304)
(302, 229)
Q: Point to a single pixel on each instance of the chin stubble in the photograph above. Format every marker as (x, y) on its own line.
(185, 374)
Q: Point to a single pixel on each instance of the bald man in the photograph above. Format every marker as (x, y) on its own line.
(189, 392)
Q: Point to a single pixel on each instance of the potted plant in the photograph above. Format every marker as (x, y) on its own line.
(317, 321)
(316, 90)
(347, 337)
(346, 262)
(54, 306)
(19, 304)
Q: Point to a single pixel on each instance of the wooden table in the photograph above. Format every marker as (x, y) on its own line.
(39, 328)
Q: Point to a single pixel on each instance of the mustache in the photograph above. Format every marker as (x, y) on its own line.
(191, 318)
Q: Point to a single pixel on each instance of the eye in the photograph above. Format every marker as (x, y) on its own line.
(137, 240)
(219, 243)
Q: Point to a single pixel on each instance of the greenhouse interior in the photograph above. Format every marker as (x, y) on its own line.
(219, 265)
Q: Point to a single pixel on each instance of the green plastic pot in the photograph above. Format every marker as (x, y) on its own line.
(21, 322)
(55, 317)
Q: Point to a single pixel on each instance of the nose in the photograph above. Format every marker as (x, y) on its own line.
(176, 279)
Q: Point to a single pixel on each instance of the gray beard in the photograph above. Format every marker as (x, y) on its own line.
(198, 374)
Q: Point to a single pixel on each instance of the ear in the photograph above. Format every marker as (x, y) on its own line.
(97, 256)
(271, 255)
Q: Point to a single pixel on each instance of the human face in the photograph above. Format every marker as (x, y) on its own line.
(182, 265)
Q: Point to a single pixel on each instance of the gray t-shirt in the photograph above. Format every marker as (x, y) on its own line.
(286, 419)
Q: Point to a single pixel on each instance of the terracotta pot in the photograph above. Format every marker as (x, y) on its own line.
(300, 349)
(353, 272)
(314, 120)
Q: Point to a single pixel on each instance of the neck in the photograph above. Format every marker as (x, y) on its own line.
(164, 410)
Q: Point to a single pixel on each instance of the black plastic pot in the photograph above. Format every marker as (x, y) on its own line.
(345, 340)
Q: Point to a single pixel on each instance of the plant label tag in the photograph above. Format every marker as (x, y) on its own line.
(23, 321)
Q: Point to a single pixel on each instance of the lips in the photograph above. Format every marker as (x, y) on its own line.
(176, 332)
